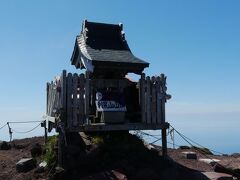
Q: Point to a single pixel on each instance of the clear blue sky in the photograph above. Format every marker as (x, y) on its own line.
(195, 43)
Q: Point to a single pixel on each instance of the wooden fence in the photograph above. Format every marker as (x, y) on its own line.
(153, 98)
(68, 96)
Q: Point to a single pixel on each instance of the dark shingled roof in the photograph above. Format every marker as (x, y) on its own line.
(105, 46)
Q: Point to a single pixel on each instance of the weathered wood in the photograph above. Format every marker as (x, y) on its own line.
(148, 100)
(164, 142)
(154, 101)
(142, 94)
(104, 83)
(87, 96)
(47, 88)
(163, 100)
(159, 102)
(152, 93)
(63, 96)
(69, 99)
(75, 108)
(81, 99)
(94, 127)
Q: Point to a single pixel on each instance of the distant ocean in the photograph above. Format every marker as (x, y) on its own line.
(217, 134)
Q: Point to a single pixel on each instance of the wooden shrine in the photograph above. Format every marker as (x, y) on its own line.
(102, 98)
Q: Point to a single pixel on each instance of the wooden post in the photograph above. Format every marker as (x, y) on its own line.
(10, 131)
(44, 125)
(148, 100)
(164, 142)
(61, 147)
(63, 97)
(154, 101)
(74, 100)
(163, 101)
(142, 97)
(69, 109)
(63, 119)
(87, 96)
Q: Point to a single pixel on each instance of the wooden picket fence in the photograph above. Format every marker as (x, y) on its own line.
(153, 98)
(69, 94)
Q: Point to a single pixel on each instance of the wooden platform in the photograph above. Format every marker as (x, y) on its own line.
(117, 127)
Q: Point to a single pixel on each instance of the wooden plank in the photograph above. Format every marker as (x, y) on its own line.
(116, 127)
(148, 100)
(69, 100)
(164, 89)
(51, 99)
(142, 94)
(63, 96)
(75, 108)
(154, 101)
(47, 89)
(81, 98)
(86, 96)
(159, 102)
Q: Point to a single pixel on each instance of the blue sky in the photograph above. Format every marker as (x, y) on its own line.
(195, 43)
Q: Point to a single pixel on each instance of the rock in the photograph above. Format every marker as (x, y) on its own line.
(221, 169)
(184, 147)
(25, 165)
(212, 162)
(217, 176)
(43, 164)
(41, 167)
(189, 155)
(119, 175)
(36, 150)
(5, 146)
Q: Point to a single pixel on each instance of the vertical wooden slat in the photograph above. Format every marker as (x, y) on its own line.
(142, 99)
(51, 99)
(64, 96)
(163, 101)
(86, 96)
(69, 99)
(47, 88)
(148, 98)
(159, 101)
(154, 101)
(81, 99)
(164, 88)
(75, 109)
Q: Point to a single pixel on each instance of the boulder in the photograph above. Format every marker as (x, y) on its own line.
(36, 150)
(217, 176)
(5, 146)
(25, 165)
(189, 155)
(212, 162)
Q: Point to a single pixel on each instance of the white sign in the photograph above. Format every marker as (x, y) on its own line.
(109, 106)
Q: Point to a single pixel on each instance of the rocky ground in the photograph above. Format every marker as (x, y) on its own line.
(119, 161)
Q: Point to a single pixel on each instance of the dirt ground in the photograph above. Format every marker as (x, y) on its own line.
(9, 158)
